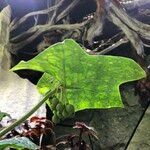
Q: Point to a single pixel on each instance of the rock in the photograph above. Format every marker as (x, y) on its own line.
(141, 138)
(18, 96)
(129, 97)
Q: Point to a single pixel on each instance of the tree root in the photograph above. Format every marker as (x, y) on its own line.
(134, 30)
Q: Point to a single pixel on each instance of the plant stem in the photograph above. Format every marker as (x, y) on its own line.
(27, 115)
(91, 143)
(80, 137)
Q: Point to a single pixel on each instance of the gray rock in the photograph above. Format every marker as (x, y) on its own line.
(141, 138)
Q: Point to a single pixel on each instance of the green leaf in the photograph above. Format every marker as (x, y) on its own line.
(88, 81)
(45, 83)
(18, 143)
(3, 114)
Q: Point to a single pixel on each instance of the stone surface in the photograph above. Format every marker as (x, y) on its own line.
(141, 138)
(18, 96)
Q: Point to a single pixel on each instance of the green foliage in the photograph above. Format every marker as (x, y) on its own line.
(86, 81)
(70, 108)
(55, 118)
(53, 103)
(3, 114)
(60, 110)
(18, 143)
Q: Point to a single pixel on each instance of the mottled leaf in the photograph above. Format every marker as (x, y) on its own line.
(88, 81)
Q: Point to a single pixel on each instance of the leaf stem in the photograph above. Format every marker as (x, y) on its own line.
(28, 114)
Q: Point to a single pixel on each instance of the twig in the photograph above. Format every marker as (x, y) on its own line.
(67, 10)
(97, 21)
(36, 18)
(15, 47)
(110, 48)
(62, 137)
(145, 12)
(40, 12)
(132, 28)
(38, 30)
(135, 25)
(130, 34)
(146, 45)
(109, 41)
(49, 4)
(45, 28)
(53, 17)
